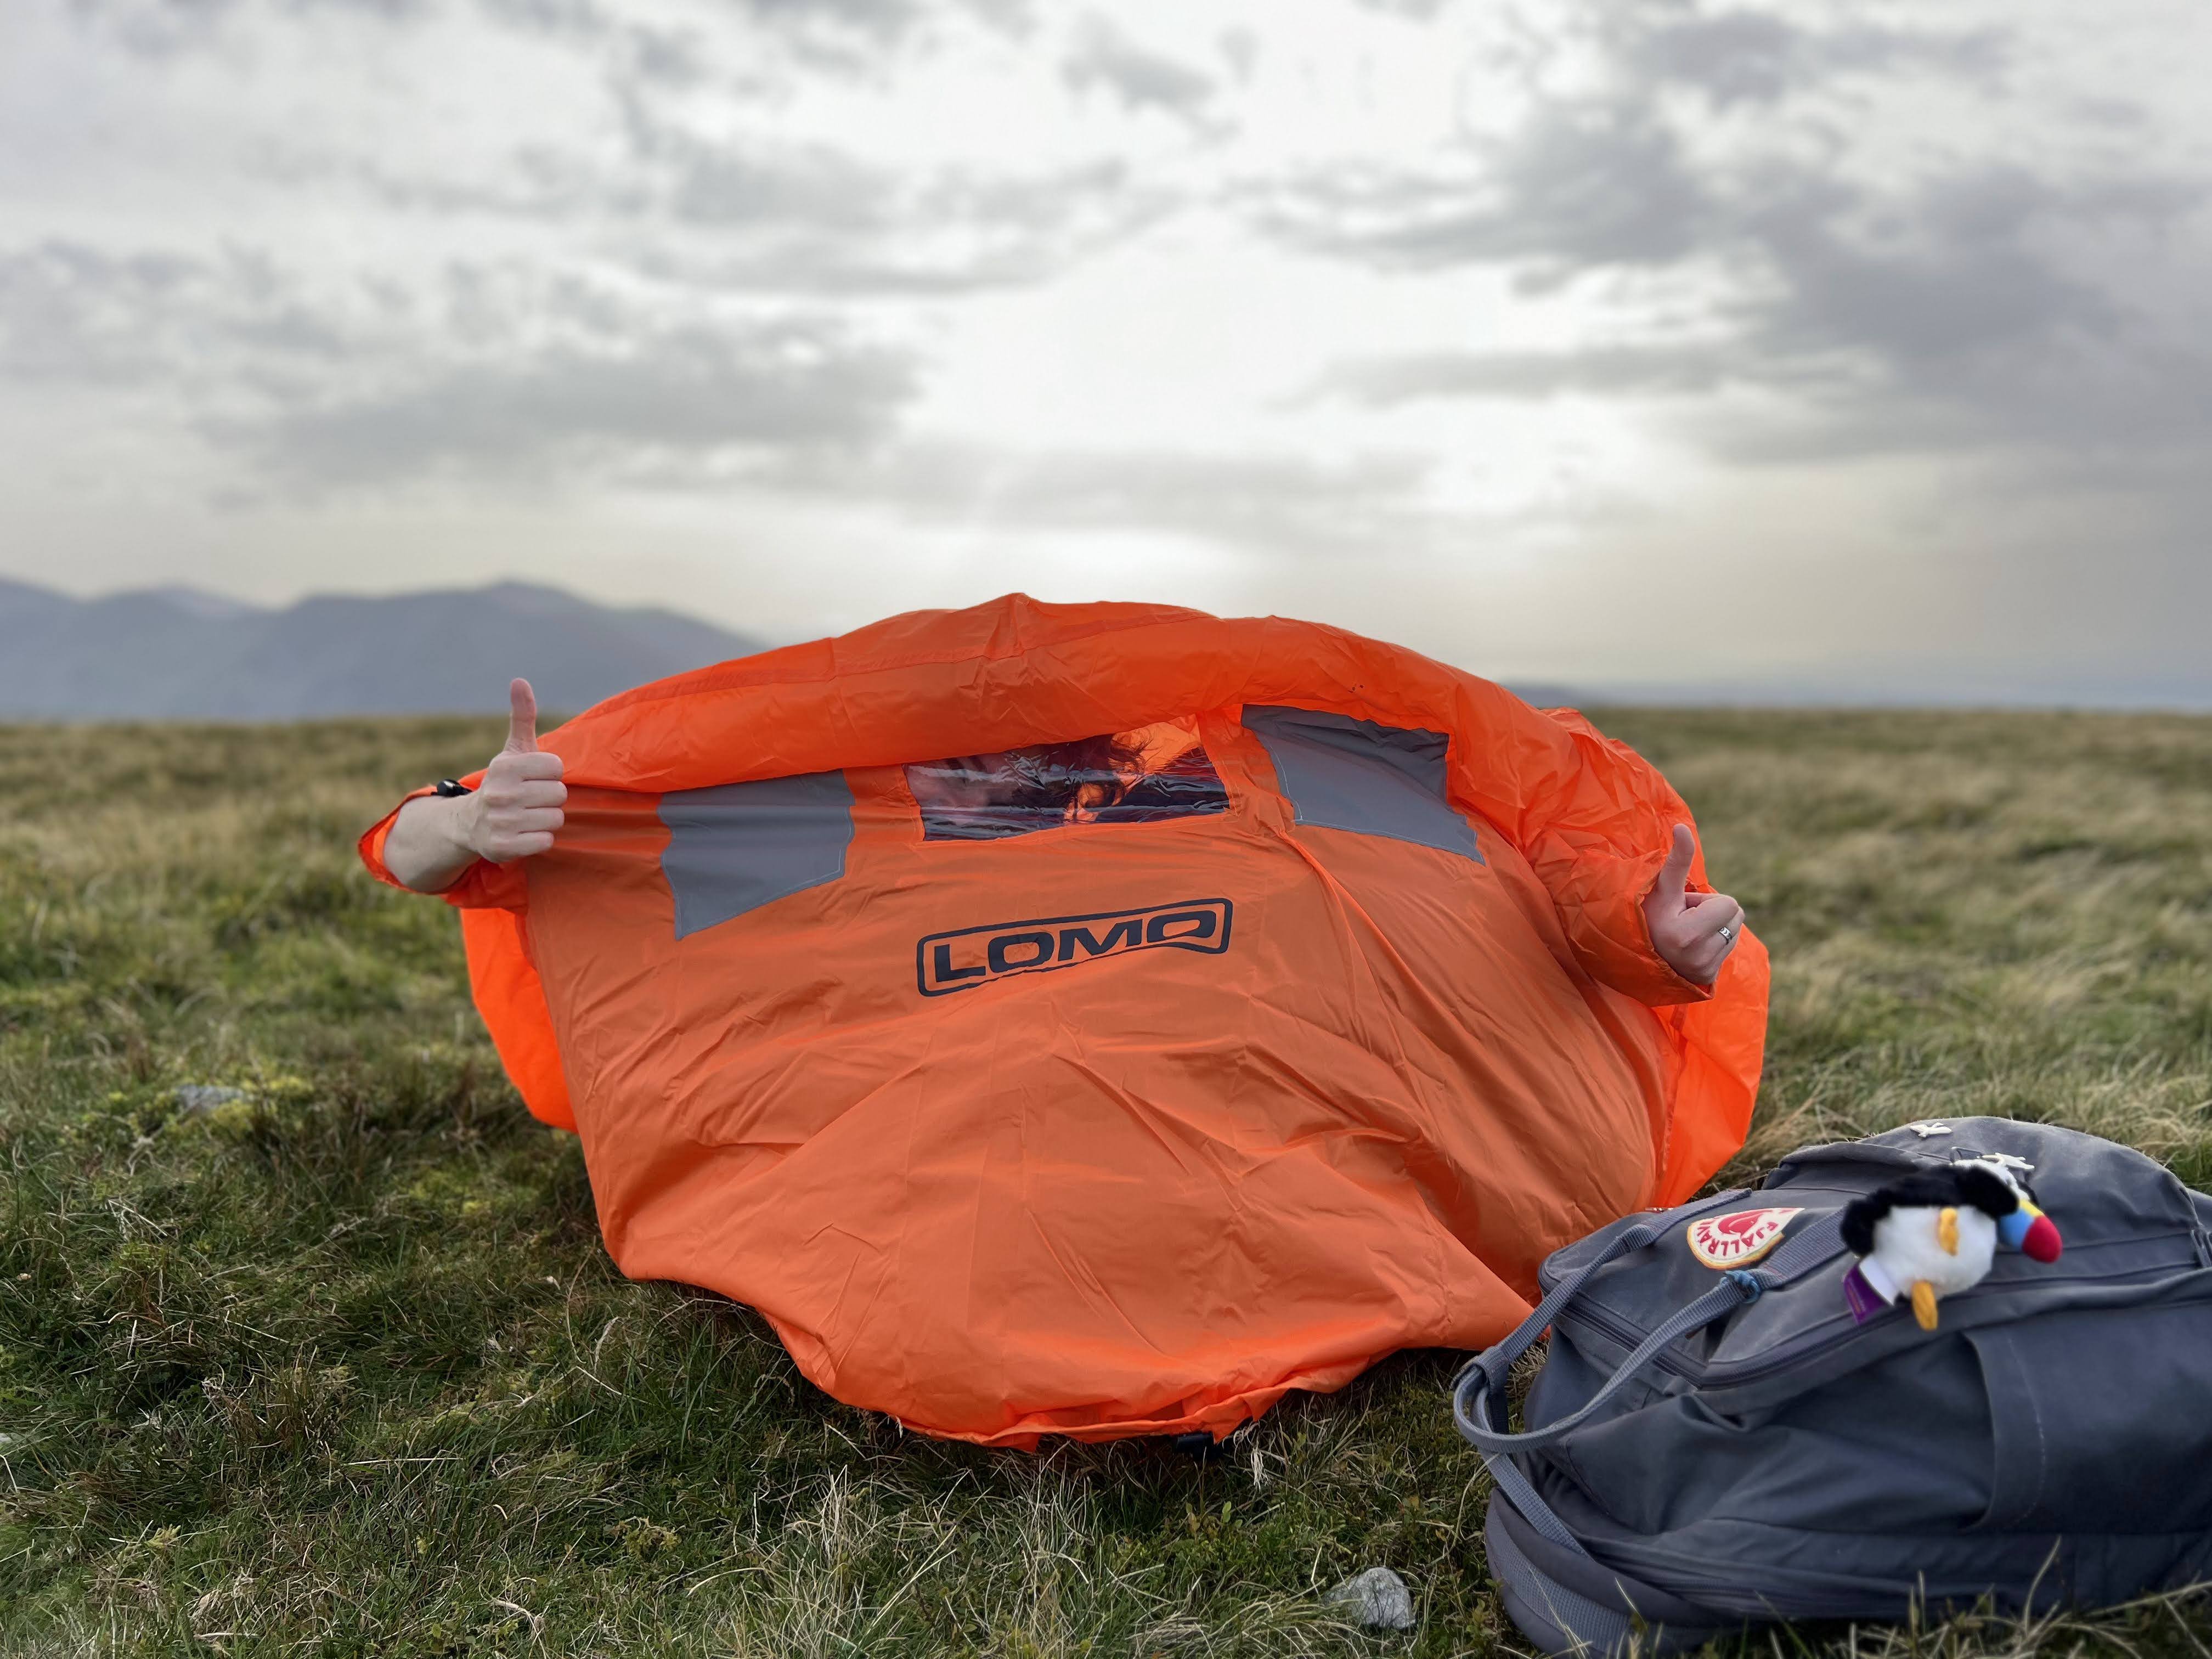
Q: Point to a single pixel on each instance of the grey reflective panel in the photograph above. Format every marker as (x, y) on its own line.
(1346, 773)
(736, 847)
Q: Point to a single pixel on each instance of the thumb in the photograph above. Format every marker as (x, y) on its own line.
(522, 718)
(1674, 874)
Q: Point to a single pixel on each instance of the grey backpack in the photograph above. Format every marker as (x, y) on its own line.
(1713, 1446)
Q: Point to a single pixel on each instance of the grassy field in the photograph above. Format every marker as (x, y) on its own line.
(339, 1367)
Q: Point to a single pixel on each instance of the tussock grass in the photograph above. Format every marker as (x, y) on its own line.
(338, 1366)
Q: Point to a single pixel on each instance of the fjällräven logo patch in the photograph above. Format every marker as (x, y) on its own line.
(1739, 1238)
(969, 957)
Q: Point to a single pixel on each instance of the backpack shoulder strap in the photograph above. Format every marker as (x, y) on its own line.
(1482, 1383)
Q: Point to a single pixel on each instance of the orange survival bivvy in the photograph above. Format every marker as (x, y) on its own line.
(1303, 1040)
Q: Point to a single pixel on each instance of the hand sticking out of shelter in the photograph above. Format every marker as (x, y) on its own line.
(1693, 932)
(511, 814)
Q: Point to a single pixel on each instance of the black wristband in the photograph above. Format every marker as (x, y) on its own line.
(449, 787)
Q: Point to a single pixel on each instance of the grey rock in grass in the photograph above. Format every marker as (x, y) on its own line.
(206, 1097)
(1378, 1598)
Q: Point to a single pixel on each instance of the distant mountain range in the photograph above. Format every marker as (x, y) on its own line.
(184, 654)
(176, 653)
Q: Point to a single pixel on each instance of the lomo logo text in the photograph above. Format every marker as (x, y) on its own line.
(970, 957)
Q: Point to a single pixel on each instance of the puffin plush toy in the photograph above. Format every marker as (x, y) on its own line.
(1935, 1234)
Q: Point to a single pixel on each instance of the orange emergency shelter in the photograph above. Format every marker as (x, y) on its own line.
(1101, 1019)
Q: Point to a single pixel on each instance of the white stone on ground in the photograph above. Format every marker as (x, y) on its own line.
(206, 1097)
(1378, 1598)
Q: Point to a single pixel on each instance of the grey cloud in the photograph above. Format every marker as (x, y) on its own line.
(2118, 113)
(879, 15)
(762, 185)
(1102, 57)
(551, 16)
(686, 396)
(1943, 319)
(814, 221)
(666, 57)
(850, 35)
(1583, 183)
(1976, 305)
(1740, 55)
(493, 370)
(687, 201)
(846, 36)
(536, 182)
(159, 29)
(70, 311)
(1951, 269)
(803, 21)
(1978, 312)
(825, 33)
(752, 212)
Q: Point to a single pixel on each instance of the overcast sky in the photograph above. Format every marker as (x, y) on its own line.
(1856, 348)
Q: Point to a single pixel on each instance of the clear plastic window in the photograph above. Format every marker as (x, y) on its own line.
(1129, 777)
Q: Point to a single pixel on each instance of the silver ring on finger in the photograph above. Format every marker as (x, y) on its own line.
(1728, 935)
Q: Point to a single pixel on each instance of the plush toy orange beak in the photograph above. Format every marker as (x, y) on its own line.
(1923, 1304)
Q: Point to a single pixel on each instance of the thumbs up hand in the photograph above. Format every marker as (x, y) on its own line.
(1692, 932)
(514, 813)
(517, 807)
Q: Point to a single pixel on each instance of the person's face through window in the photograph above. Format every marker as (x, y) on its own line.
(1045, 777)
(1012, 792)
